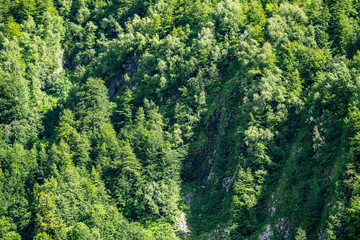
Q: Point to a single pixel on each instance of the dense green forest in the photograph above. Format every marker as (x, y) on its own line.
(180, 119)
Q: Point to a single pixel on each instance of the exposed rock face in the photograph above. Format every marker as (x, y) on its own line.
(274, 206)
(216, 234)
(188, 197)
(284, 228)
(228, 181)
(116, 84)
(321, 234)
(211, 174)
(268, 234)
(181, 226)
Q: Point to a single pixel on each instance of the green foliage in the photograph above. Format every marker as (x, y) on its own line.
(119, 116)
(124, 109)
(7, 229)
(163, 231)
(300, 234)
(12, 29)
(13, 86)
(229, 18)
(354, 226)
(79, 231)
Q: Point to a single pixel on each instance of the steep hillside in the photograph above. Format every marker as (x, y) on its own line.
(179, 119)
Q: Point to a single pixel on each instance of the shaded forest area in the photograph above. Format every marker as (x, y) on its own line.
(179, 119)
